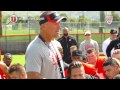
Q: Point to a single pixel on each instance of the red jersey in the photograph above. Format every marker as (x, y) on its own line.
(90, 69)
(99, 66)
(2, 75)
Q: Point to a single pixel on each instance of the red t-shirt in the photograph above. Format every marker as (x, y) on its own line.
(2, 75)
(99, 66)
(89, 69)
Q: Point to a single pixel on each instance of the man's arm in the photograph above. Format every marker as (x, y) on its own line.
(110, 47)
(76, 43)
(104, 47)
(97, 49)
(34, 75)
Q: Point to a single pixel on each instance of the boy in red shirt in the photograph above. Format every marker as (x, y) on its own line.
(96, 62)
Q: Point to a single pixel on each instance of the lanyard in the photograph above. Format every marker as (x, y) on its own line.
(58, 61)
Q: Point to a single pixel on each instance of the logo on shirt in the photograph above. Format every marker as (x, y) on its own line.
(88, 46)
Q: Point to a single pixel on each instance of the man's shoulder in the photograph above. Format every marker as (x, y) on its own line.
(106, 41)
(83, 42)
(115, 40)
(94, 41)
(71, 37)
(34, 45)
(101, 60)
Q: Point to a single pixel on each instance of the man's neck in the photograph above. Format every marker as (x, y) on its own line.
(47, 38)
(88, 39)
(111, 38)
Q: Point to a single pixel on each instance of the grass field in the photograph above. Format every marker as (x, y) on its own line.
(18, 32)
(18, 59)
(98, 37)
(21, 59)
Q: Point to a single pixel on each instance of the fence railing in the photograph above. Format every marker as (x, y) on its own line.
(34, 28)
(18, 43)
(10, 41)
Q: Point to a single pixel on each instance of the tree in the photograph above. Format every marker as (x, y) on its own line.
(63, 14)
(115, 16)
(0, 23)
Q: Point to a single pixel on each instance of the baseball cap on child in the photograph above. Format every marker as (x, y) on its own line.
(77, 53)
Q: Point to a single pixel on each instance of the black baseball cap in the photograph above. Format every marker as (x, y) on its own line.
(77, 53)
(50, 16)
(113, 31)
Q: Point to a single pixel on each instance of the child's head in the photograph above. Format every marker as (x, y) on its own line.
(17, 71)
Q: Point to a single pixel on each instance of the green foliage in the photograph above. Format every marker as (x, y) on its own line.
(63, 14)
(5, 18)
(115, 16)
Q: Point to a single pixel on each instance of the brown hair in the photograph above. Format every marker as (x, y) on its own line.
(16, 68)
(111, 61)
(90, 50)
(74, 64)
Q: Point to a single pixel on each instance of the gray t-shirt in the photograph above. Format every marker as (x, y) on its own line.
(88, 44)
(41, 58)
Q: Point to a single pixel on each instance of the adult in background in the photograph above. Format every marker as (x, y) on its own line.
(113, 44)
(113, 35)
(88, 43)
(43, 59)
(7, 59)
(67, 41)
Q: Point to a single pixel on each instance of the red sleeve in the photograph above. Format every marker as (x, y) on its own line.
(2, 76)
(89, 69)
(99, 66)
(66, 72)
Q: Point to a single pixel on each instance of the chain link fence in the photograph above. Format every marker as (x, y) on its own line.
(17, 36)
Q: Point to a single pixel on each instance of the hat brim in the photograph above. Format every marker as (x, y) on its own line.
(114, 34)
(61, 19)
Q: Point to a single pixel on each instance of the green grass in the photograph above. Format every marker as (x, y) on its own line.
(19, 32)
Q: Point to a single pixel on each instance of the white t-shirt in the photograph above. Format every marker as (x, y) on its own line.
(105, 45)
(40, 58)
